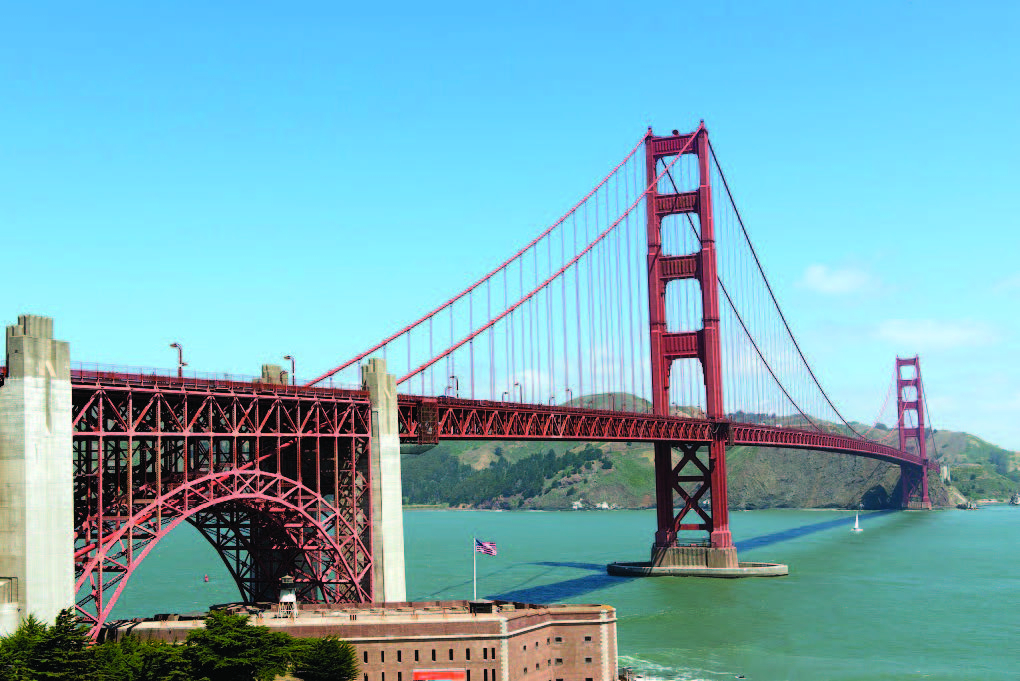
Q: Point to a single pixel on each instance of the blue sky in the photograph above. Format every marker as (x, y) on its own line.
(252, 180)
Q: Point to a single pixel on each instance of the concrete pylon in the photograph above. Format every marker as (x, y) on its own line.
(36, 477)
(387, 494)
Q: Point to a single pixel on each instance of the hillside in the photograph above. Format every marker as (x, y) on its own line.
(555, 475)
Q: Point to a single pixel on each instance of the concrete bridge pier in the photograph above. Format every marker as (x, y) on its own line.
(36, 476)
(387, 494)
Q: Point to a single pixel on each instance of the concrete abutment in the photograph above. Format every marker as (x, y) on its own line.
(36, 472)
(387, 493)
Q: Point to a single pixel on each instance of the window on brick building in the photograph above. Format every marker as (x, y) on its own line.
(398, 656)
(587, 638)
(415, 655)
(399, 675)
(559, 660)
(366, 677)
(485, 653)
(468, 678)
(382, 655)
(364, 656)
(485, 675)
(493, 654)
(451, 653)
(587, 660)
(467, 654)
(558, 639)
(433, 654)
(382, 675)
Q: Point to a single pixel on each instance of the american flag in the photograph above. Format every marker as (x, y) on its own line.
(486, 547)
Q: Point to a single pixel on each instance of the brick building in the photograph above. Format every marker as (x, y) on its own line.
(488, 640)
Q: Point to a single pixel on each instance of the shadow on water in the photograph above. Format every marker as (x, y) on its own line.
(563, 591)
(570, 589)
(801, 531)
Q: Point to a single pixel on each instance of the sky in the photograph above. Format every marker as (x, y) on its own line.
(253, 180)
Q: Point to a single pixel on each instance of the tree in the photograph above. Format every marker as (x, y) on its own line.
(16, 650)
(37, 651)
(229, 649)
(327, 659)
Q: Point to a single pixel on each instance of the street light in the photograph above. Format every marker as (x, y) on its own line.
(180, 359)
(293, 378)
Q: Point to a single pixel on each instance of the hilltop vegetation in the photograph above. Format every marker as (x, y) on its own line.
(555, 475)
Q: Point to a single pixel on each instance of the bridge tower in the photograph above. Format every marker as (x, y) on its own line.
(910, 398)
(36, 478)
(694, 478)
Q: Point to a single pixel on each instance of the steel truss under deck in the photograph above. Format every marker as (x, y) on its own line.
(276, 478)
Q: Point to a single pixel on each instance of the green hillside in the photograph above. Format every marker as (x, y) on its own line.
(556, 475)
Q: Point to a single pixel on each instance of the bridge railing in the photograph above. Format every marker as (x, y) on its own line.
(91, 372)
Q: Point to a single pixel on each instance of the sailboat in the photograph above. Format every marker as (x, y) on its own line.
(857, 523)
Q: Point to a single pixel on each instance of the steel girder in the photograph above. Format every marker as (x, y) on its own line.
(277, 481)
(482, 420)
(791, 438)
(422, 418)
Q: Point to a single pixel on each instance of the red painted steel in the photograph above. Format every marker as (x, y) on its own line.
(275, 477)
(483, 420)
(701, 344)
(913, 482)
(460, 419)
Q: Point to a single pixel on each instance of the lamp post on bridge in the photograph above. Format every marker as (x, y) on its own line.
(180, 359)
(293, 376)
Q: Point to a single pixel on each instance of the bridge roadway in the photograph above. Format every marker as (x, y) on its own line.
(425, 420)
(428, 420)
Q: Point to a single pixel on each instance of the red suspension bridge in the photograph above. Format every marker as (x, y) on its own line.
(643, 314)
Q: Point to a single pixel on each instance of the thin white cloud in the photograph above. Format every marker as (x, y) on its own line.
(833, 281)
(1010, 284)
(914, 335)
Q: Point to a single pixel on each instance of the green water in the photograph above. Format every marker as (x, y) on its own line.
(926, 595)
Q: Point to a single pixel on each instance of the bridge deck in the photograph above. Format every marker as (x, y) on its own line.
(429, 420)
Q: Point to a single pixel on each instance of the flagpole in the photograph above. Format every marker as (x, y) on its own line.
(474, 571)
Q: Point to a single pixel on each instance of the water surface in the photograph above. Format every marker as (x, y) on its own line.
(917, 595)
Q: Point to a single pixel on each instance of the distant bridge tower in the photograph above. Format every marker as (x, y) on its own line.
(910, 398)
(694, 478)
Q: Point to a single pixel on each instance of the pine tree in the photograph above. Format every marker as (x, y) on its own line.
(61, 651)
(229, 649)
(328, 659)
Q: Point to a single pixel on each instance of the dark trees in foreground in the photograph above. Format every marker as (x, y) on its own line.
(227, 649)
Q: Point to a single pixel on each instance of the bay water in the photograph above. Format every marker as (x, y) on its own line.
(917, 595)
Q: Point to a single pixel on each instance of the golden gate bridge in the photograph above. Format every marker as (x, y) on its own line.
(643, 314)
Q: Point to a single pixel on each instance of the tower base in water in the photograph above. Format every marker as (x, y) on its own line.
(696, 561)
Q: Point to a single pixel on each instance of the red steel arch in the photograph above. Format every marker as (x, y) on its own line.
(277, 478)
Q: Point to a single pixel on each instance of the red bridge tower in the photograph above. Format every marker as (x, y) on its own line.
(910, 398)
(693, 478)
